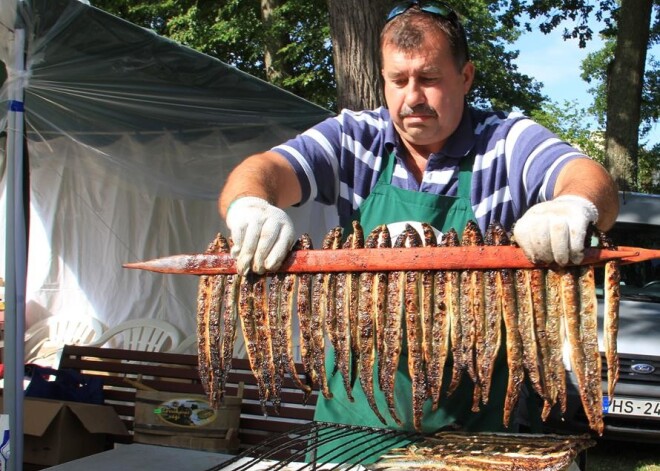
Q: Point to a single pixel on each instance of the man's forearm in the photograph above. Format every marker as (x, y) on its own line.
(587, 178)
(268, 176)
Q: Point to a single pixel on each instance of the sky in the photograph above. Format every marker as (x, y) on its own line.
(556, 63)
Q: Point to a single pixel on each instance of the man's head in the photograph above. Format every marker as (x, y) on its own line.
(417, 17)
(427, 72)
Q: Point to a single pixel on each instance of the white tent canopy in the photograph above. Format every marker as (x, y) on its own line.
(127, 140)
(129, 137)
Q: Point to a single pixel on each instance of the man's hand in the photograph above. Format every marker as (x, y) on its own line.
(556, 230)
(262, 234)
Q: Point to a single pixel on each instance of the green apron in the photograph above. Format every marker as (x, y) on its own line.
(387, 204)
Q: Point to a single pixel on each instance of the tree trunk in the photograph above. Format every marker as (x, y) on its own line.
(276, 69)
(624, 92)
(355, 29)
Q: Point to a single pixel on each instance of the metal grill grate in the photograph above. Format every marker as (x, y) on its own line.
(342, 445)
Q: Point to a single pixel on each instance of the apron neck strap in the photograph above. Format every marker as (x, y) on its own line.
(464, 173)
(388, 171)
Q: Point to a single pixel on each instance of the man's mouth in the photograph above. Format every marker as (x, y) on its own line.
(418, 112)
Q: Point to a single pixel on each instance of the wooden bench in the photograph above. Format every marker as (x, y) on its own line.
(173, 372)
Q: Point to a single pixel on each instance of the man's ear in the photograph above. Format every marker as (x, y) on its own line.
(468, 76)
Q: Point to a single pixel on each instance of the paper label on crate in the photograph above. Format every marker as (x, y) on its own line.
(186, 412)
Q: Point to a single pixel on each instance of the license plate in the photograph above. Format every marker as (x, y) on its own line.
(628, 406)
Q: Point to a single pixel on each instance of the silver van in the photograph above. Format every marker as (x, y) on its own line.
(634, 411)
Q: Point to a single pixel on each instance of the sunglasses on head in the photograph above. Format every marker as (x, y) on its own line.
(429, 6)
(433, 7)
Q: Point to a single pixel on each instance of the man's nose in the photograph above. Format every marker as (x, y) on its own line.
(414, 95)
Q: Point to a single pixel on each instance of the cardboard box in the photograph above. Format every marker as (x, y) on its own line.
(186, 421)
(58, 431)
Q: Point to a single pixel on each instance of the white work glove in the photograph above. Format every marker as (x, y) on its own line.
(262, 234)
(555, 230)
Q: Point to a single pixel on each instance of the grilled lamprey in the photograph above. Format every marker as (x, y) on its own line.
(209, 328)
(414, 334)
(230, 321)
(277, 325)
(264, 339)
(611, 316)
(365, 331)
(471, 314)
(506, 290)
(492, 329)
(593, 399)
(457, 313)
(317, 324)
(353, 293)
(611, 323)
(527, 326)
(249, 323)
(328, 295)
(305, 315)
(287, 303)
(556, 377)
(342, 344)
(379, 296)
(452, 293)
(347, 350)
(393, 333)
(571, 309)
(426, 298)
(452, 451)
(439, 337)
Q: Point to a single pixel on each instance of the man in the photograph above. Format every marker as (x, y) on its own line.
(426, 157)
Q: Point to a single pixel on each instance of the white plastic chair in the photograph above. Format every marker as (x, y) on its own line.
(45, 339)
(146, 335)
(187, 345)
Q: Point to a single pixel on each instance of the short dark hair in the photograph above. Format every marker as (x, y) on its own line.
(407, 31)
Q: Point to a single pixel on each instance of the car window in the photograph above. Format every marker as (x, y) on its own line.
(638, 280)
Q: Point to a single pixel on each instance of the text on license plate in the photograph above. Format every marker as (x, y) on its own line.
(632, 406)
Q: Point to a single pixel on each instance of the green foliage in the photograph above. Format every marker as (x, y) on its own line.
(232, 31)
(595, 67)
(648, 173)
(308, 51)
(556, 13)
(594, 72)
(571, 123)
(498, 83)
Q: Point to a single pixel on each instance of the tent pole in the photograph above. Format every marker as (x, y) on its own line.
(16, 258)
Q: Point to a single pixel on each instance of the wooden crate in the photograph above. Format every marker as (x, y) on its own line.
(122, 370)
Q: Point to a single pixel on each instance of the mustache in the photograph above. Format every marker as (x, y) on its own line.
(423, 110)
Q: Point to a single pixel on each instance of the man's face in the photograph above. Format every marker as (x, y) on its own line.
(425, 92)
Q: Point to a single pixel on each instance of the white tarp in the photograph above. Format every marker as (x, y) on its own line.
(129, 139)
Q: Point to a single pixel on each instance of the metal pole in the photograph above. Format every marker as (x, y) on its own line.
(16, 258)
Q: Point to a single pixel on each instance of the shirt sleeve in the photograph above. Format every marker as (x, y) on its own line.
(516, 168)
(313, 155)
(535, 157)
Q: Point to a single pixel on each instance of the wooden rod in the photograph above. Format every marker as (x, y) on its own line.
(641, 255)
(390, 259)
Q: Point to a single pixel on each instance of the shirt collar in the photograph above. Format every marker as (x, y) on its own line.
(459, 144)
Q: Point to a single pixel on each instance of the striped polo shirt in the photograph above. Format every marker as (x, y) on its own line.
(517, 161)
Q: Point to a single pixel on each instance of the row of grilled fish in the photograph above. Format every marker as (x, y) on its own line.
(463, 314)
(453, 451)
